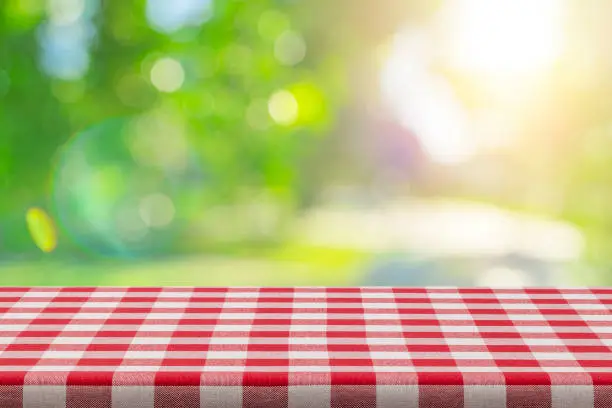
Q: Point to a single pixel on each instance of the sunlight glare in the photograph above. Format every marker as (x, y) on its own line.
(506, 37)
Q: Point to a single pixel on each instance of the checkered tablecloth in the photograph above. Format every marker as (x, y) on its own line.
(305, 347)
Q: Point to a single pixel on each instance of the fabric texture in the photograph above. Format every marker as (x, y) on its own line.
(370, 347)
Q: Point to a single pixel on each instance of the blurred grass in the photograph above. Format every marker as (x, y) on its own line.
(289, 265)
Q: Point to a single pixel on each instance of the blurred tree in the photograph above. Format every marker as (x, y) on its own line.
(248, 104)
(32, 125)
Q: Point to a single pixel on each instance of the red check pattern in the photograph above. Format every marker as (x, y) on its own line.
(305, 347)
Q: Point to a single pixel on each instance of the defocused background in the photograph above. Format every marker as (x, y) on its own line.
(285, 142)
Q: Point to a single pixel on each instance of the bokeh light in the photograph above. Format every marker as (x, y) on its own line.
(42, 229)
(157, 210)
(290, 48)
(167, 75)
(283, 107)
(64, 12)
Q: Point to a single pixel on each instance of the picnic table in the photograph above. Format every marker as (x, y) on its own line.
(367, 347)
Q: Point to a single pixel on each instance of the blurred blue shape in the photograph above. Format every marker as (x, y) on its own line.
(397, 270)
(170, 16)
(65, 49)
(65, 43)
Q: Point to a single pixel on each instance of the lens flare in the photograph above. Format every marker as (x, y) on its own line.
(42, 229)
(110, 201)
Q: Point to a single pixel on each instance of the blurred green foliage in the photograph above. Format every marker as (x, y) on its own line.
(256, 126)
(230, 72)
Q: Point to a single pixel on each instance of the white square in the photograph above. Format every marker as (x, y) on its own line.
(464, 341)
(308, 354)
(151, 340)
(390, 355)
(137, 354)
(384, 329)
(92, 316)
(520, 306)
(515, 317)
(161, 315)
(41, 368)
(307, 340)
(10, 328)
(229, 340)
(235, 316)
(82, 327)
(544, 342)
(240, 305)
(607, 342)
(589, 306)
(307, 396)
(397, 396)
(483, 369)
(44, 396)
(554, 356)
(182, 295)
(534, 329)
(104, 305)
(227, 355)
(134, 369)
(572, 396)
(10, 315)
(71, 340)
(386, 341)
(484, 396)
(447, 306)
(381, 316)
(445, 295)
(318, 294)
(572, 369)
(309, 316)
(456, 316)
(107, 294)
(307, 295)
(369, 305)
(579, 296)
(242, 295)
(63, 354)
(598, 318)
(471, 355)
(308, 327)
(459, 329)
(157, 328)
(308, 369)
(220, 396)
(310, 305)
(232, 328)
(394, 369)
(133, 396)
(603, 329)
(171, 305)
(49, 295)
(514, 295)
(379, 295)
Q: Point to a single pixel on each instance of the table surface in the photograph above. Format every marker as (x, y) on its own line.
(305, 347)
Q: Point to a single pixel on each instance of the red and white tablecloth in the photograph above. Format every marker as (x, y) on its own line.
(305, 347)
